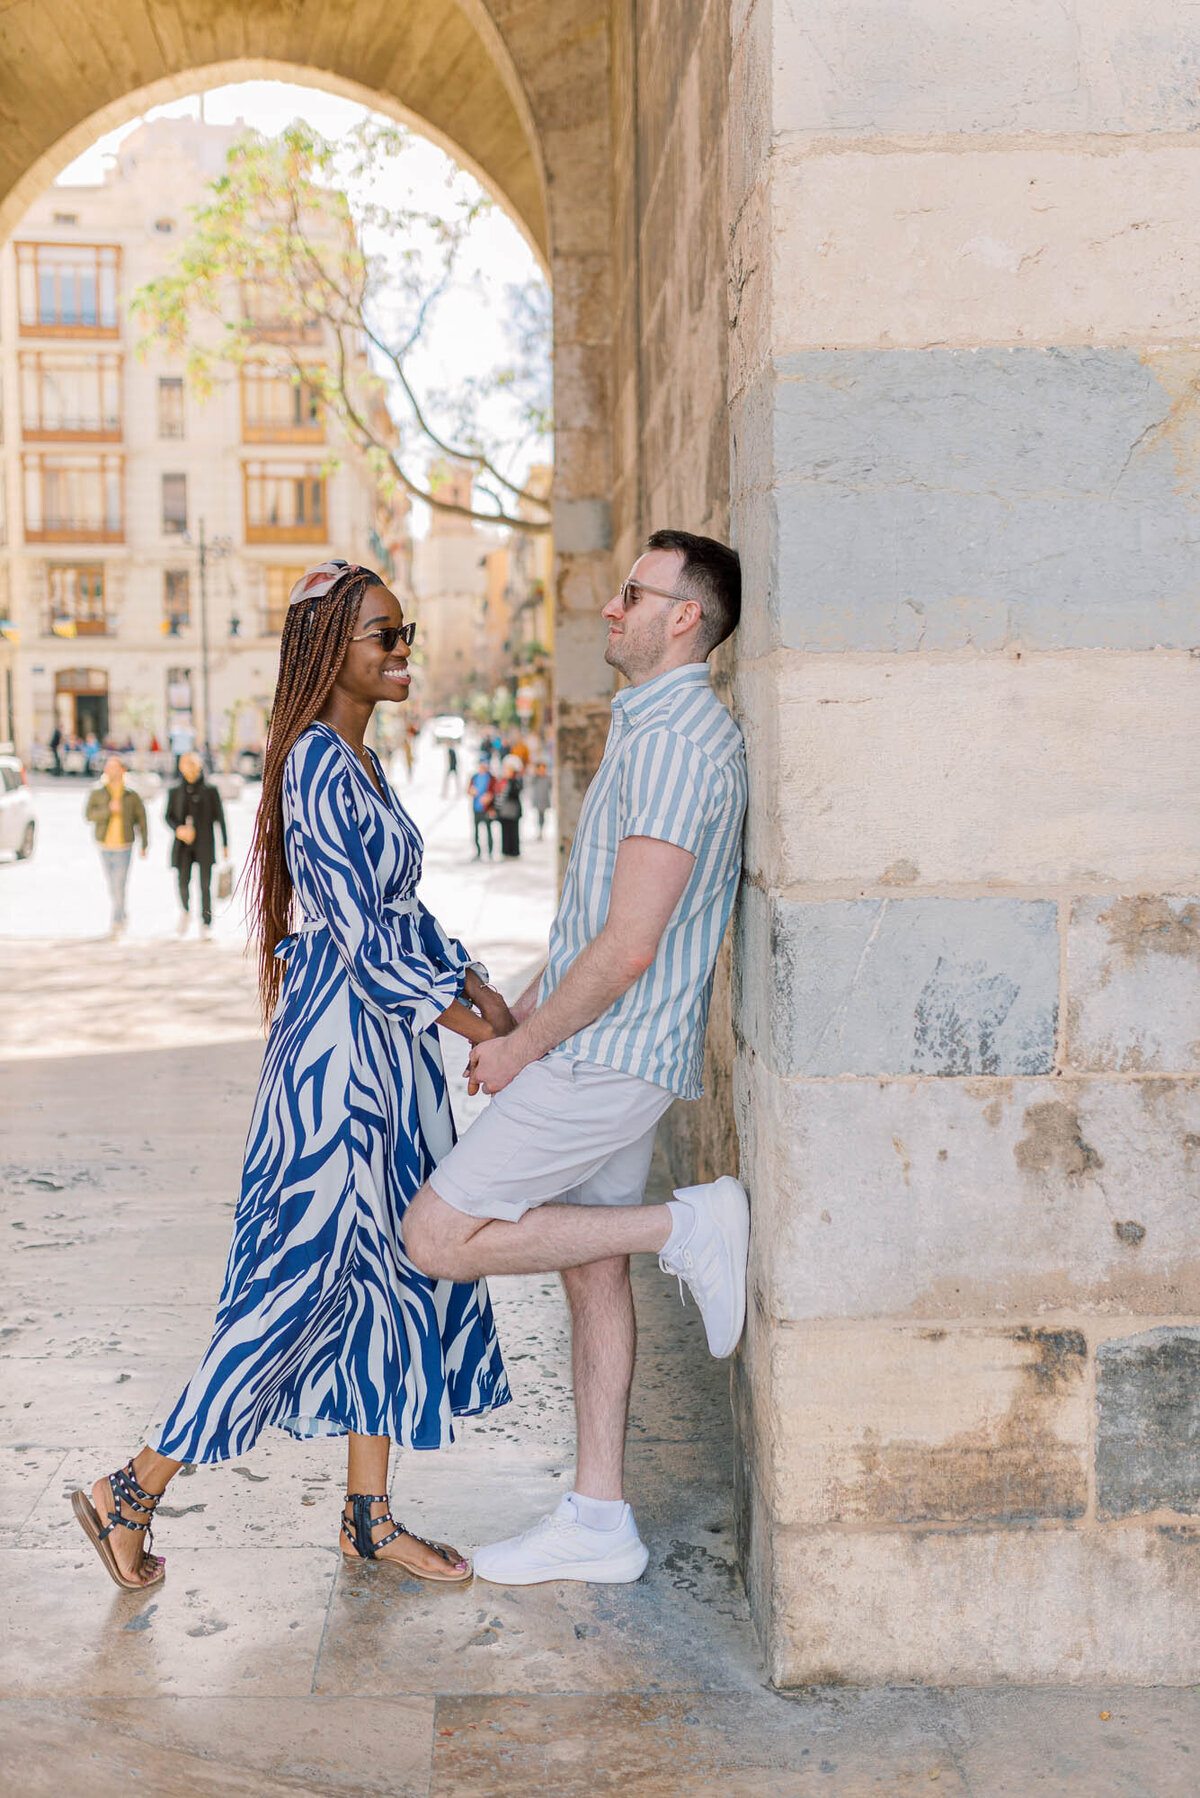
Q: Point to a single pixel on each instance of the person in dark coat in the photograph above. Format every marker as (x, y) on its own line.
(508, 807)
(195, 814)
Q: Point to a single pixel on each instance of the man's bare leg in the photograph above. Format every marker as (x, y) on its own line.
(603, 1345)
(446, 1244)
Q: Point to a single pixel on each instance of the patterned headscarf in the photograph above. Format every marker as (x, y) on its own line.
(317, 582)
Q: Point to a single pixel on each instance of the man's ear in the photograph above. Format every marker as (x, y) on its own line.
(689, 618)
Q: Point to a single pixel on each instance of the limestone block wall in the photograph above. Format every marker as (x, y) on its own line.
(670, 433)
(965, 299)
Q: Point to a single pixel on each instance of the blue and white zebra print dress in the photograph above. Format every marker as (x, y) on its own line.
(324, 1326)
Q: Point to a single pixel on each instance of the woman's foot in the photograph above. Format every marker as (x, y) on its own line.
(122, 1547)
(410, 1552)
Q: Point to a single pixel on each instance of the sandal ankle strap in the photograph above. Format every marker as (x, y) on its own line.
(128, 1490)
(360, 1524)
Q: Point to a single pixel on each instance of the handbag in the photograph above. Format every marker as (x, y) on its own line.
(225, 880)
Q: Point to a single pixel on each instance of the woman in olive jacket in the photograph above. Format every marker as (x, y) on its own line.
(117, 815)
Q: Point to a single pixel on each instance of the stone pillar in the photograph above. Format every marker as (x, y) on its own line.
(965, 303)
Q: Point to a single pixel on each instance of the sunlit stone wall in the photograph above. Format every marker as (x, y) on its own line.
(966, 287)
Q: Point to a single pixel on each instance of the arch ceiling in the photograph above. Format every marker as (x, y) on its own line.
(69, 72)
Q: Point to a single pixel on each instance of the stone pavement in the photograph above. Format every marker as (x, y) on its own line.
(264, 1666)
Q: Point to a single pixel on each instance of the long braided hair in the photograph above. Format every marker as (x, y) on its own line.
(315, 635)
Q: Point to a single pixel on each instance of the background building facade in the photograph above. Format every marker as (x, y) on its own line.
(113, 467)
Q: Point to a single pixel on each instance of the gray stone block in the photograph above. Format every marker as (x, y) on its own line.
(1148, 1423)
(946, 1199)
(943, 499)
(901, 986)
(1133, 980)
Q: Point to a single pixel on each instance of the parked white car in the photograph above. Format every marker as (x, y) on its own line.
(18, 825)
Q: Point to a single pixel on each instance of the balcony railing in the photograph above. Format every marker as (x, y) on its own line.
(59, 624)
(84, 429)
(53, 529)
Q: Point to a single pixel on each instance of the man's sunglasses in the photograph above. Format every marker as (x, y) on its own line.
(630, 590)
(389, 635)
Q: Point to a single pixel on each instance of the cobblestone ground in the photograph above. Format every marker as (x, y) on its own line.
(264, 1666)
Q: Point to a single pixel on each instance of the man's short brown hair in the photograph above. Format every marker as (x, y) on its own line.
(711, 575)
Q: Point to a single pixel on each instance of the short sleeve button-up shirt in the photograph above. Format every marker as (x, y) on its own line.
(674, 768)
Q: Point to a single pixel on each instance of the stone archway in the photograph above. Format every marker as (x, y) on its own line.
(518, 94)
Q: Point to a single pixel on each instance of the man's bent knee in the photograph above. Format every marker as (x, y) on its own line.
(431, 1239)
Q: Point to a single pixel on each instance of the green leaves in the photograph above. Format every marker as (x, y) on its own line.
(297, 260)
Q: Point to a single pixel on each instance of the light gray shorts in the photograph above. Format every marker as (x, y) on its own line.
(564, 1130)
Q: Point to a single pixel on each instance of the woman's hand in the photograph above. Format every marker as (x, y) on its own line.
(490, 1004)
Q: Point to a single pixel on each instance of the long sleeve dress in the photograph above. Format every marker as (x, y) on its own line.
(324, 1326)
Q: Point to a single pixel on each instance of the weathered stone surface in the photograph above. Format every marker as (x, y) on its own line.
(704, 1745)
(882, 1424)
(1083, 766)
(944, 499)
(1148, 1423)
(968, 246)
(1014, 66)
(970, 1198)
(899, 986)
(1028, 1605)
(211, 1748)
(1133, 983)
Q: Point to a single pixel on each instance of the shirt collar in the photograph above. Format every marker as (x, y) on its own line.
(634, 702)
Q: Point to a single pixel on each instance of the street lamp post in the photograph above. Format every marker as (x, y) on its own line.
(206, 714)
(217, 549)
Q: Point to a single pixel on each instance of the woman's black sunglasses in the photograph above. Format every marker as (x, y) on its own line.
(389, 635)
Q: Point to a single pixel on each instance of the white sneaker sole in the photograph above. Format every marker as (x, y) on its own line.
(613, 1570)
(729, 1209)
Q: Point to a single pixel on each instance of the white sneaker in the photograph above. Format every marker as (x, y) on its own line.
(560, 1547)
(712, 1259)
(206, 933)
(182, 925)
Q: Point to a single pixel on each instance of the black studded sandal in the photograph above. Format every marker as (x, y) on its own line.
(126, 1491)
(357, 1529)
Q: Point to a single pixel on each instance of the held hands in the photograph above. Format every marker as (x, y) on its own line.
(495, 1063)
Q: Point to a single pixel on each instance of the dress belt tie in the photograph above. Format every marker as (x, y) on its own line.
(396, 908)
(400, 908)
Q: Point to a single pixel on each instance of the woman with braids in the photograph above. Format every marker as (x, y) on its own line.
(324, 1328)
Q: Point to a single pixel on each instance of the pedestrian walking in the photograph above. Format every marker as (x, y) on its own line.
(324, 1327)
(117, 816)
(482, 788)
(539, 795)
(450, 777)
(508, 808)
(195, 815)
(56, 743)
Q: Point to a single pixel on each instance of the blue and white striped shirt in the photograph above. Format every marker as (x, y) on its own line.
(674, 768)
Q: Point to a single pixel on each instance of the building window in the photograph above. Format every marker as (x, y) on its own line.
(69, 288)
(280, 581)
(66, 218)
(176, 591)
(64, 396)
(170, 406)
(174, 505)
(74, 498)
(285, 503)
(75, 600)
(264, 312)
(279, 408)
(181, 733)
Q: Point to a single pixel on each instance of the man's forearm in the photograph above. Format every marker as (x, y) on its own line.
(595, 980)
(523, 1006)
